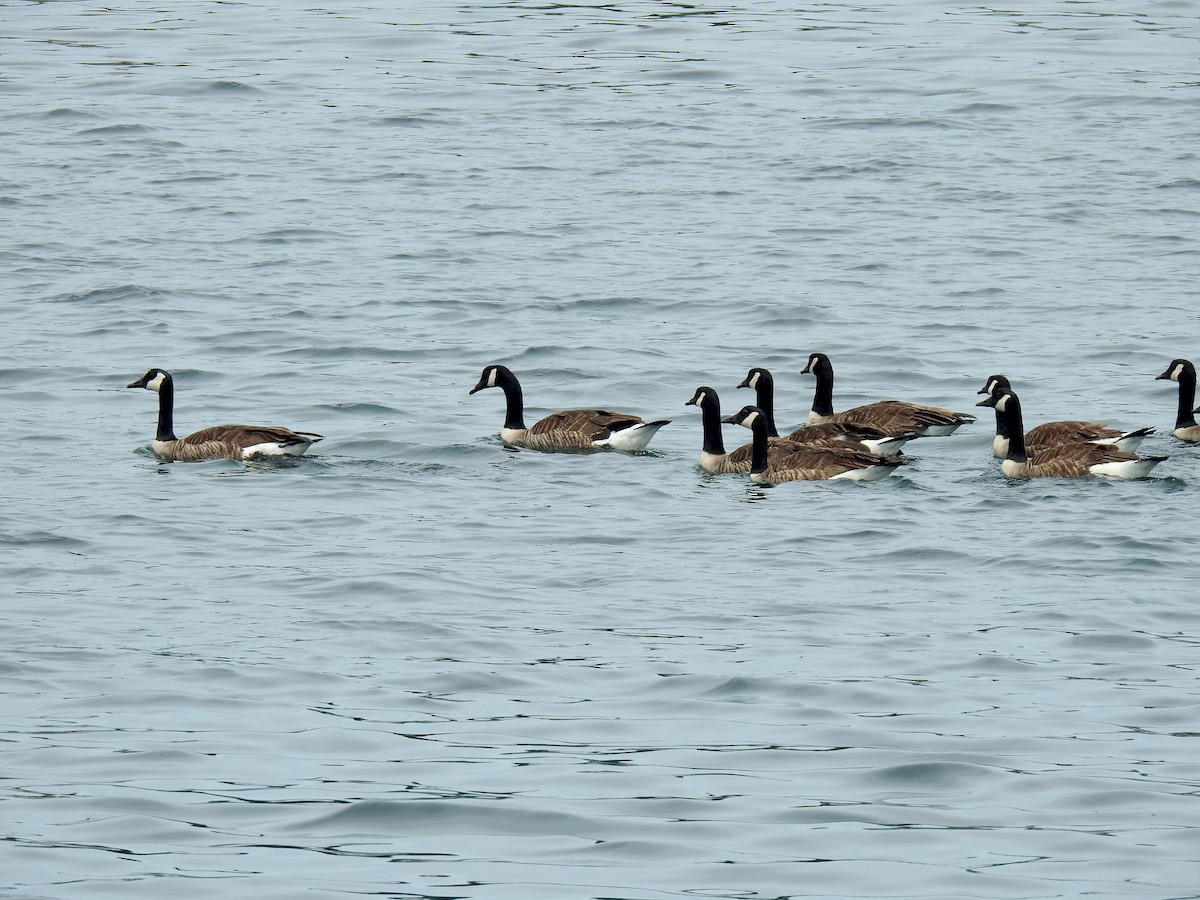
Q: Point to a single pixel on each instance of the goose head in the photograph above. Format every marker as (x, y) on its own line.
(494, 376)
(704, 398)
(153, 380)
(1176, 370)
(1000, 399)
(756, 376)
(994, 383)
(818, 363)
(747, 416)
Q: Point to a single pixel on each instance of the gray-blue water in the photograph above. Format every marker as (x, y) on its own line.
(421, 665)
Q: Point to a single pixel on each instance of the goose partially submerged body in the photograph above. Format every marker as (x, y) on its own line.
(928, 421)
(882, 441)
(1048, 434)
(1061, 460)
(1184, 373)
(809, 463)
(218, 441)
(571, 429)
(713, 457)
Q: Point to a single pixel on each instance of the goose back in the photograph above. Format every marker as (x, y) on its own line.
(217, 441)
(713, 457)
(236, 442)
(569, 429)
(881, 440)
(1067, 431)
(808, 463)
(1062, 460)
(893, 416)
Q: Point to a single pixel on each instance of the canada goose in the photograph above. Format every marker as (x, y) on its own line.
(931, 421)
(1182, 371)
(1061, 460)
(219, 441)
(1064, 432)
(571, 429)
(809, 464)
(877, 440)
(713, 457)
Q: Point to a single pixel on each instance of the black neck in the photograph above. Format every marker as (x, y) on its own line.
(710, 417)
(166, 411)
(1184, 417)
(1016, 430)
(823, 396)
(764, 391)
(1001, 425)
(514, 416)
(758, 447)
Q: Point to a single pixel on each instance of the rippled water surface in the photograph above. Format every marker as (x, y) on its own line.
(418, 664)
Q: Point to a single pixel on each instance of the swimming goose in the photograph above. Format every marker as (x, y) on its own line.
(931, 421)
(1064, 432)
(877, 440)
(809, 464)
(1182, 371)
(715, 460)
(219, 441)
(571, 429)
(1061, 460)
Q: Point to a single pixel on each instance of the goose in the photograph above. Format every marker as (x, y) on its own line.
(930, 421)
(809, 464)
(219, 441)
(1064, 432)
(715, 460)
(1061, 460)
(571, 429)
(1182, 371)
(877, 440)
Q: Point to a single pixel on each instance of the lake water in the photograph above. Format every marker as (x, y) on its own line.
(421, 665)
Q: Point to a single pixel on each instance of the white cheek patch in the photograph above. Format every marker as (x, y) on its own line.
(492, 373)
(1002, 402)
(990, 387)
(754, 381)
(1176, 372)
(750, 419)
(156, 383)
(701, 398)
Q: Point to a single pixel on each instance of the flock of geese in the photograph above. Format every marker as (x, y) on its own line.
(860, 444)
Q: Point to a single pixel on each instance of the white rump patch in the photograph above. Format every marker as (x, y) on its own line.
(1126, 468)
(888, 446)
(943, 430)
(271, 448)
(868, 473)
(1128, 441)
(631, 439)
